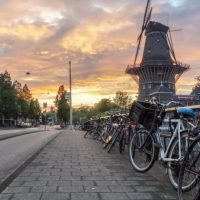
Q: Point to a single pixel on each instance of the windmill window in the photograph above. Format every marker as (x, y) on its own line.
(149, 86)
(143, 87)
(149, 50)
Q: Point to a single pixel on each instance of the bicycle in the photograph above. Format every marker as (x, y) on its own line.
(147, 146)
(115, 132)
(190, 172)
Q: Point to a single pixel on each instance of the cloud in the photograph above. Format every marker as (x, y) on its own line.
(98, 36)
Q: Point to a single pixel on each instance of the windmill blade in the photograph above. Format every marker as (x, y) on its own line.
(148, 18)
(140, 35)
(169, 38)
(137, 50)
(146, 11)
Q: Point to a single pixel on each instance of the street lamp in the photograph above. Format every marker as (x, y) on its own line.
(70, 90)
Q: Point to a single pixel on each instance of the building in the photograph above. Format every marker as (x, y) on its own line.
(158, 71)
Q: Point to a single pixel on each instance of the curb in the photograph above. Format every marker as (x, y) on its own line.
(10, 135)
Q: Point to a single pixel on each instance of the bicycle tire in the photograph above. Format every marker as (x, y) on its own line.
(114, 139)
(142, 163)
(86, 134)
(194, 193)
(105, 135)
(173, 167)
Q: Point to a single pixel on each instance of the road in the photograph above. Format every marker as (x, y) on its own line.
(15, 151)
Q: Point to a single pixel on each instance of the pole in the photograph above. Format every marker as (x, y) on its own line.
(70, 88)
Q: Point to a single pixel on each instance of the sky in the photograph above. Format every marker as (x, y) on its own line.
(97, 36)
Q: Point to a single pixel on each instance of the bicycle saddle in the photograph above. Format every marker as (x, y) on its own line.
(186, 112)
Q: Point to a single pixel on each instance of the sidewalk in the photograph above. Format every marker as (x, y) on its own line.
(74, 168)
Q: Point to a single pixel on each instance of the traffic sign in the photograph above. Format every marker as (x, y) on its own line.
(67, 95)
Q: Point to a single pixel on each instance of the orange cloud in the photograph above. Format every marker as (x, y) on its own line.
(27, 31)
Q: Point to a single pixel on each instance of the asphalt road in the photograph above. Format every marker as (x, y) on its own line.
(15, 151)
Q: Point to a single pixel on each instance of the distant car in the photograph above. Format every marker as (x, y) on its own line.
(23, 124)
(20, 125)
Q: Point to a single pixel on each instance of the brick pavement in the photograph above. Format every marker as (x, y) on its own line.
(74, 168)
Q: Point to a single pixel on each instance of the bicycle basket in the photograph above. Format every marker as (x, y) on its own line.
(145, 114)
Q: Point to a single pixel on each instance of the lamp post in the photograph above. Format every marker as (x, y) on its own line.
(70, 90)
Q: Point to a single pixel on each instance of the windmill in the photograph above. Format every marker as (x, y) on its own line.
(159, 66)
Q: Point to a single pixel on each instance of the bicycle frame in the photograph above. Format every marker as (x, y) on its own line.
(176, 133)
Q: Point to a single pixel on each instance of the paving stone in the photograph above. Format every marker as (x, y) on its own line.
(71, 189)
(121, 188)
(59, 183)
(24, 178)
(130, 183)
(146, 188)
(140, 196)
(70, 178)
(6, 196)
(17, 183)
(99, 188)
(107, 182)
(114, 196)
(17, 190)
(84, 196)
(29, 196)
(55, 196)
(83, 183)
(165, 196)
(35, 183)
(40, 189)
(47, 178)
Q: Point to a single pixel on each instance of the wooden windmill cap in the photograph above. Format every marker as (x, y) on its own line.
(156, 26)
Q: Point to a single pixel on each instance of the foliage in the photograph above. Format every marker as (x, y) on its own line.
(15, 100)
(62, 105)
(102, 108)
(83, 113)
(104, 105)
(122, 99)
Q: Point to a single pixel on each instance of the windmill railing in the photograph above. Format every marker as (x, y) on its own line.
(152, 64)
(183, 65)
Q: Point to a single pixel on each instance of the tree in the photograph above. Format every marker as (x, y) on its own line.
(62, 105)
(83, 113)
(122, 99)
(104, 105)
(34, 110)
(16, 101)
(26, 93)
(8, 101)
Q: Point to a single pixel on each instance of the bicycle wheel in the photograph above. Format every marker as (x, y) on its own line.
(142, 151)
(106, 134)
(114, 139)
(190, 173)
(173, 167)
(86, 133)
(109, 137)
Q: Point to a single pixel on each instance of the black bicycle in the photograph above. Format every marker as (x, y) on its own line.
(190, 172)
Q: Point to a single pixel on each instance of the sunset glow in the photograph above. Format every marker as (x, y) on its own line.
(99, 37)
